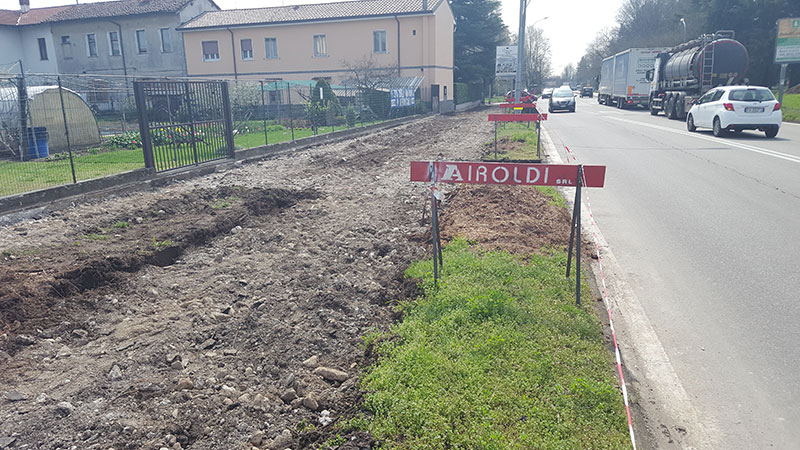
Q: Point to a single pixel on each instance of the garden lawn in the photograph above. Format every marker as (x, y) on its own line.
(17, 177)
(497, 357)
(791, 108)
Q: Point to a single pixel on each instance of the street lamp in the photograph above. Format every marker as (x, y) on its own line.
(684, 28)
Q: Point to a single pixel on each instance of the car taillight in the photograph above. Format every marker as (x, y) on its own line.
(630, 101)
(776, 107)
(728, 106)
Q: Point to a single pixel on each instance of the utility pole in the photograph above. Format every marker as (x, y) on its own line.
(520, 50)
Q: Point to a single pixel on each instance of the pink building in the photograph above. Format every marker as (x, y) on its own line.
(413, 38)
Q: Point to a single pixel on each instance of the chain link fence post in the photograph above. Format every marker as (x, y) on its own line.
(66, 129)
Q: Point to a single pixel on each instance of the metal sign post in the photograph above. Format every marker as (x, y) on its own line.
(438, 258)
(575, 229)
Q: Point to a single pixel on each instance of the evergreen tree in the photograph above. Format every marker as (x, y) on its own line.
(479, 30)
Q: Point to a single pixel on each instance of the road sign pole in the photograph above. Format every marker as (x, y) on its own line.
(539, 140)
(434, 226)
(783, 83)
(520, 50)
(575, 237)
(495, 140)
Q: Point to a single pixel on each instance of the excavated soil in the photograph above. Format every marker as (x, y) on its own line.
(198, 315)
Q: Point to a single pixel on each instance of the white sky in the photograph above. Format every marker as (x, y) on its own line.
(570, 24)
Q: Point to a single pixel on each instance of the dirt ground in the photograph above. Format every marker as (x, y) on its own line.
(226, 312)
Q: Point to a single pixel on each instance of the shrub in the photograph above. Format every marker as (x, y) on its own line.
(131, 139)
(350, 116)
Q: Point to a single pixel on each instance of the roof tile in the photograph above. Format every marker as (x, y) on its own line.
(307, 13)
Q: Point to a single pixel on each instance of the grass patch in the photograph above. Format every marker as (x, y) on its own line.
(222, 203)
(95, 236)
(497, 357)
(17, 177)
(791, 107)
(520, 133)
(556, 198)
(162, 244)
(121, 224)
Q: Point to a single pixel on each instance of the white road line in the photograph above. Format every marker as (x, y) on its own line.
(750, 148)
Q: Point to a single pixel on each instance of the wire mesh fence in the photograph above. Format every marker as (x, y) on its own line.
(61, 129)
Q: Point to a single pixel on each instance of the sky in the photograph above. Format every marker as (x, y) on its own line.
(570, 25)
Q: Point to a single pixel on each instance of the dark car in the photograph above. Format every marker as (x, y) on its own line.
(587, 92)
(563, 98)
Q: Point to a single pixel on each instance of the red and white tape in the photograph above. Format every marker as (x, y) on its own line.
(607, 303)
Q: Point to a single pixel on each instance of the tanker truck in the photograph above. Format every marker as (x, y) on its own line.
(684, 73)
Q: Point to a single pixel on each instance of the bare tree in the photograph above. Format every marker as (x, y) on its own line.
(368, 77)
(538, 64)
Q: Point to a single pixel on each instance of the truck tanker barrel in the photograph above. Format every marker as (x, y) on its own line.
(730, 61)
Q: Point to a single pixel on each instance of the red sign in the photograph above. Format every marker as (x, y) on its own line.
(518, 105)
(516, 117)
(507, 173)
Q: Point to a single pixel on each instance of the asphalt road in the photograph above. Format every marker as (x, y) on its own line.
(705, 230)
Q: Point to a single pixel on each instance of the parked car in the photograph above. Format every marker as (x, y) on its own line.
(563, 98)
(736, 108)
(587, 91)
(547, 93)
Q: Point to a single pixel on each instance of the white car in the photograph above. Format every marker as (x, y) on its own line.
(736, 108)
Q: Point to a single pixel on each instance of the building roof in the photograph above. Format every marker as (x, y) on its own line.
(87, 11)
(118, 8)
(309, 13)
(33, 17)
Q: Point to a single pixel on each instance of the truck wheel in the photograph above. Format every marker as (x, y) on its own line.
(653, 110)
(718, 130)
(690, 124)
(670, 111)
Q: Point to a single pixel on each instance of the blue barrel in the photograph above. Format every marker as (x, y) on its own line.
(38, 145)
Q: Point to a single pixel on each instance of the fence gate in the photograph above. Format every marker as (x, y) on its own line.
(184, 123)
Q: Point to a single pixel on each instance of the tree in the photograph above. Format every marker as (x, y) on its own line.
(371, 80)
(538, 64)
(479, 30)
(568, 74)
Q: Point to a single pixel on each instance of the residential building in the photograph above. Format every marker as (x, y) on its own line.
(123, 37)
(305, 42)
(25, 36)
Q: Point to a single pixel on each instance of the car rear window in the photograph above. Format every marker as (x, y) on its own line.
(751, 95)
(563, 93)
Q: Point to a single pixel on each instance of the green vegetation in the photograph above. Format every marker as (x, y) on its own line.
(495, 99)
(162, 244)
(516, 132)
(121, 224)
(791, 108)
(497, 357)
(95, 236)
(16, 177)
(222, 203)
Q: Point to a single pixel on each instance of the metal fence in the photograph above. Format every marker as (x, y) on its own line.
(61, 129)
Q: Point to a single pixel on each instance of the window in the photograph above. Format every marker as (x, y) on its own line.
(113, 43)
(91, 45)
(247, 49)
(210, 51)
(272, 48)
(141, 41)
(166, 43)
(320, 46)
(379, 41)
(42, 49)
(66, 47)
